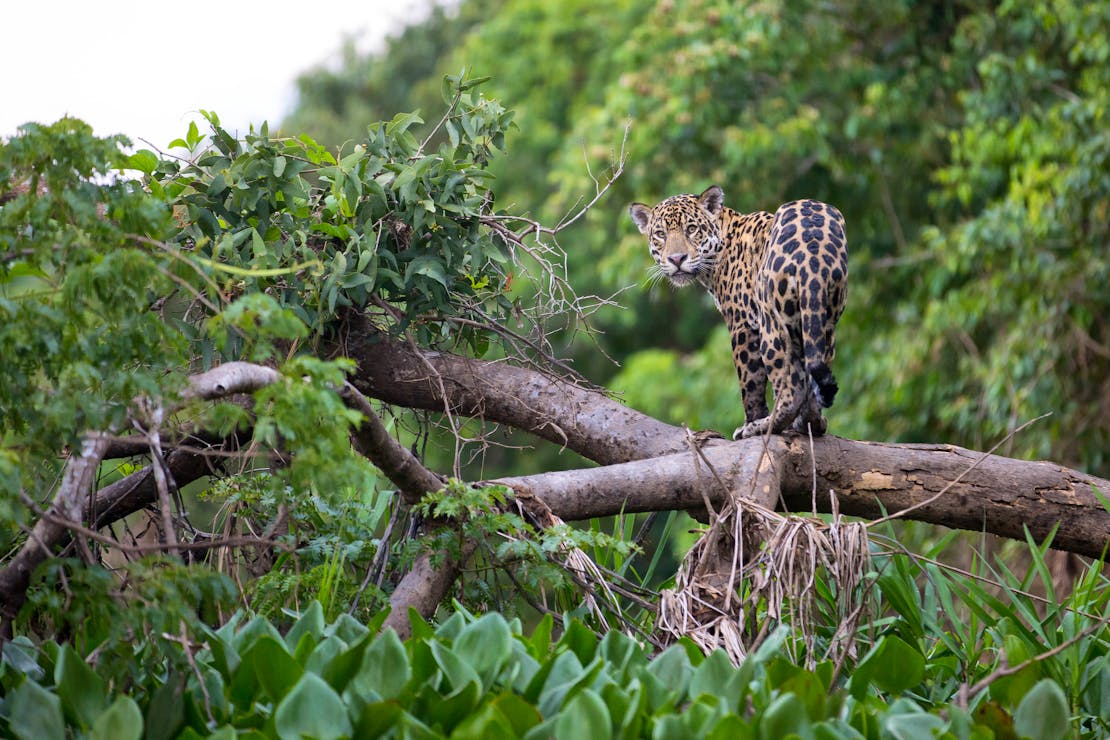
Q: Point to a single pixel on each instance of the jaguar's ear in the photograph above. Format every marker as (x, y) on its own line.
(713, 199)
(640, 214)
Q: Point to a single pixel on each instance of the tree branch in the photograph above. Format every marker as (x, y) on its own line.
(80, 473)
(584, 420)
(372, 440)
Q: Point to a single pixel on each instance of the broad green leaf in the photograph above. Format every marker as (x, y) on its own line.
(312, 708)
(580, 639)
(166, 710)
(22, 655)
(731, 727)
(143, 160)
(892, 665)
(36, 714)
(311, 622)
(458, 672)
(558, 675)
(276, 670)
(79, 687)
(584, 716)
(384, 669)
(672, 668)
(122, 720)
(377, 718)
(485, 645)
(913, 726)
(540, 643)
(712, 675)
(784, 716)
(448, 711)
(321, 652)
(1043, 713)
(486, 723)
(521, 715)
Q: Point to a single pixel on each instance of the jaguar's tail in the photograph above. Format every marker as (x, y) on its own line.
(824, 384)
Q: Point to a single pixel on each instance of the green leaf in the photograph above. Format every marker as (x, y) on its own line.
(914, 726)
(1043, 713)
(21, 654)
(312, 708)
(672, 668)
(80, 689)
(36, 714)
(584, 716)
(385, 668)
(310, 622)
(712, 675)
(401, 123)
(892, 665)
(521, 715)
(276, 670)
(122, 720)
(428, 267)
(143, 160)
(448, 711)
(784, 716)
(485, 645)
(458, 672)
(487, 723)
(166, 711)
(580, 639)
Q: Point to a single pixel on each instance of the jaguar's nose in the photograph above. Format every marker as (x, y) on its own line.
(676, 260)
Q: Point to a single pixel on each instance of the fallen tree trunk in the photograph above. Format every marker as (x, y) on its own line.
(1000, 495)
(939, 484)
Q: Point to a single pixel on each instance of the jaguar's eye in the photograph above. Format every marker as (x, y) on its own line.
(691, 230)
(660, 235)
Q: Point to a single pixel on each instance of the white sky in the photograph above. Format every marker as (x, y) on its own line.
(143, 68)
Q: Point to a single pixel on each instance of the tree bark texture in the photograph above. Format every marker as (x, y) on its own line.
(582, 419)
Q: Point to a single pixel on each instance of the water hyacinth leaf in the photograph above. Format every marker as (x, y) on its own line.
(36, 714)
(584, 716)
(385, 668)
(485, 644)
(783, 717)
(80, 689)
(310, 622)
(1043, 713)
(313, 709)
(122, 720)
(275, 669)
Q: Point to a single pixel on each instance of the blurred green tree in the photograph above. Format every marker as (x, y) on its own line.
(965, 143)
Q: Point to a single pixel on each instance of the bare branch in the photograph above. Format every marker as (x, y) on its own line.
(228, 379)
(68, 503)
(371, 439)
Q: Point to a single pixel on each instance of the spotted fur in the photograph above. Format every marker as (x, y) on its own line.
(780, 281)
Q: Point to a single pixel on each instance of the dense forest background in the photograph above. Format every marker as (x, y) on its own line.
(966, 143)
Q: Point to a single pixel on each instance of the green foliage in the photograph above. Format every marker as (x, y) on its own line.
(484, 677)
(966, 145)
(113, 288)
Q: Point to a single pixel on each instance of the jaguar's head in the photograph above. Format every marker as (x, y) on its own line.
(684, 234)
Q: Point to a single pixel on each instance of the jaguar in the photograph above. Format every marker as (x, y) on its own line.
(779, 280)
